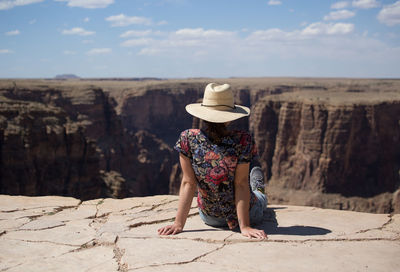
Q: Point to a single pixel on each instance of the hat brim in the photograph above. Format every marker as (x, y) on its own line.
(217, 116)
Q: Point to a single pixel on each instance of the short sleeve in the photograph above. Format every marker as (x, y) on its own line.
(182, 145)
(248, 149)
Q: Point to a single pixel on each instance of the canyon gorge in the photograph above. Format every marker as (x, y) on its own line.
(330, 143)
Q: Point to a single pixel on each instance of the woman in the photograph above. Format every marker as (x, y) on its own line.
(216, 162)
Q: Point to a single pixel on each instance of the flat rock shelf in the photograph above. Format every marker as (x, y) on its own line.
(53, 233)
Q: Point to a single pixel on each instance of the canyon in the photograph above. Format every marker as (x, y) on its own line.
(330, 143)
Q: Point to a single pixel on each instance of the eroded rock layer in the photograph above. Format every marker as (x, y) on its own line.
(42, 153)
(68, 140)
(324, 142)
(337, 143)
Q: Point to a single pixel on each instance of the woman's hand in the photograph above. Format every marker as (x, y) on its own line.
(171, 229)
(253, 233)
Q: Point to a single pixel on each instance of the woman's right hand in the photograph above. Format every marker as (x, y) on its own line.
(170, 229)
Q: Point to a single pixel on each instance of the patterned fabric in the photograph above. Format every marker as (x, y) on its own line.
(214, 166)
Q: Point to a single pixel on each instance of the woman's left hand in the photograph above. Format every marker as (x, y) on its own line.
(253, 233)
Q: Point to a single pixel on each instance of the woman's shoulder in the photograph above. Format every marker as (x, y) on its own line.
(191, 134)
(242, 136)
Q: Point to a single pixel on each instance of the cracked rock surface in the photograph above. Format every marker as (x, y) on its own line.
(64, 234)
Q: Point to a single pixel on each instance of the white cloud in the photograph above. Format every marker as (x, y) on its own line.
(350, 55)
(312, 31)
(331, 50)
(328, 29)
(201, 33)
(31, 22)
(123, 20)
(77, 31)
(365, 4)
(339, 15)
(136, 42)
(90, 4)
(5, 51)
(99, 51)
(9, 4)
(340, 5)
(13, 33)
(184, 42)
(87, 19)
(274, 2)
(390, 15)
(136, 33)
(198, 37)
(273, 34)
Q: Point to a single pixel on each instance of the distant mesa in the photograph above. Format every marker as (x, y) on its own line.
(72, 76)
(67, 76)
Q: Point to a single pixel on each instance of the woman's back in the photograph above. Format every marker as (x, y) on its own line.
(214, 166)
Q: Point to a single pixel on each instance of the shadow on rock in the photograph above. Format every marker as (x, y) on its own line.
(206, 230)
(271, 227)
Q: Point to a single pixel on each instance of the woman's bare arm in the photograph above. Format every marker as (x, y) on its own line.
(186, 194)
(242, 202)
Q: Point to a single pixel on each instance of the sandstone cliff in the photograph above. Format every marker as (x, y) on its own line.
(64, 234)
(159, 108)
(323, 142)
(336, 143)
(67, 140)
(41, 153)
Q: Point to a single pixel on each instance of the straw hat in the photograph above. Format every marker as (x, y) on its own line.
(218, 105)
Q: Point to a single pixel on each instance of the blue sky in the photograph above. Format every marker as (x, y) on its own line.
(189, 38)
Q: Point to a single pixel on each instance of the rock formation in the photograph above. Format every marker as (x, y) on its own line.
(66, 76)
(68, 140)
(324, 142)
(65, 234)
(337, 143)
(159, 108)
(42, 153)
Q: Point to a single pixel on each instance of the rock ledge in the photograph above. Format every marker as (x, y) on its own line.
(64, 234)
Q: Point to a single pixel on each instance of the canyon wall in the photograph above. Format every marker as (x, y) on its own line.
(41, 153)
(338, 144)
(323, 142)
(58, 139)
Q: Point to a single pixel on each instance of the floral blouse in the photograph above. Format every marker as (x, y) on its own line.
(214, 166)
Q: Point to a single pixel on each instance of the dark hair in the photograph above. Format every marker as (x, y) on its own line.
(216, 131)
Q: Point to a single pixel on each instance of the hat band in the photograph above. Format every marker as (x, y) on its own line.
(234, 107)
